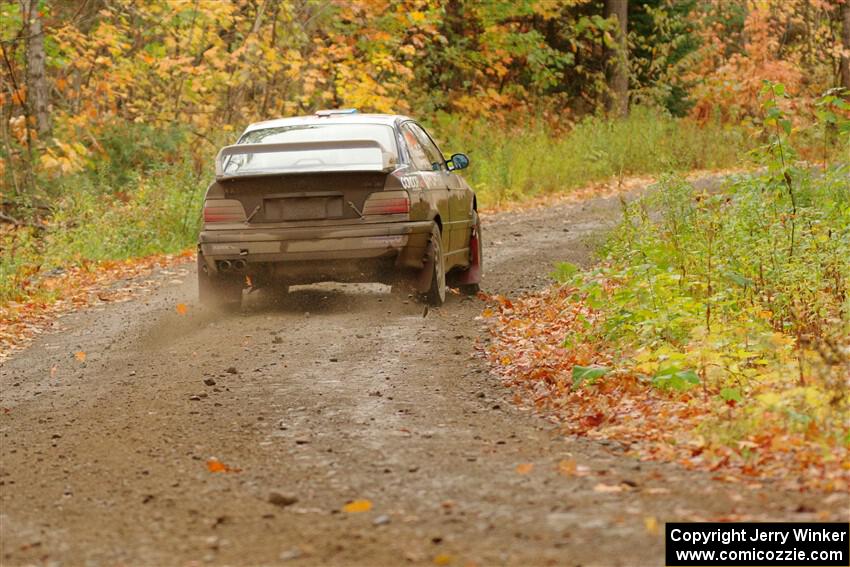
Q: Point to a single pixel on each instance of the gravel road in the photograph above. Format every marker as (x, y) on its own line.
(338, 394)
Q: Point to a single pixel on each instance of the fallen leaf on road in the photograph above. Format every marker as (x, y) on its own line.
(216, 466)
(567, 467)
(181, 308)
(443, 559)
(601, 487)
(357, 506)
(651, 525)
(524, 468)
(53, 370)
(81, 355)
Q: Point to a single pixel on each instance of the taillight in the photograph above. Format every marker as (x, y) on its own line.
(223, 210)
(387, 203)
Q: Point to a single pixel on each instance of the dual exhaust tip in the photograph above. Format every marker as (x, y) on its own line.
(232, 265)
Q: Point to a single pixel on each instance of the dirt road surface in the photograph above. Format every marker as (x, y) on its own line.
(340, 393)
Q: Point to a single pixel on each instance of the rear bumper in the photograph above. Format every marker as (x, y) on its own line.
(404, 241)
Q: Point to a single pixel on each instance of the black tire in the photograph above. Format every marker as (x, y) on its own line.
(436, 295)
(218, 292)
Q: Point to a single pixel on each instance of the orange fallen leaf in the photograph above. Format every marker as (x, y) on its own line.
(81, 355)
(356, 506)
(567, 467)
(181, 308)
(524, 468)
(216, 466)
(443, 559)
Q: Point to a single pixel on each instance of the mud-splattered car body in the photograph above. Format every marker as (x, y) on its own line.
(338, 196)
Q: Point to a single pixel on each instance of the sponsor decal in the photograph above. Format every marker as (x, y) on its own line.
(410, 181)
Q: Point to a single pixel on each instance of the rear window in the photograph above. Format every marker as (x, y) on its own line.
(324, 158)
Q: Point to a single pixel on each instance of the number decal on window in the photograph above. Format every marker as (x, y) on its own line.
(410, 181)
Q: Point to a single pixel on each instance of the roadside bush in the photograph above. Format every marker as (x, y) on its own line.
(738, 297)
(160, 213)
(130, 150)
(710, 294)
(157, 211)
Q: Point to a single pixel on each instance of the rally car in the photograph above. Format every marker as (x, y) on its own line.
(338, 196)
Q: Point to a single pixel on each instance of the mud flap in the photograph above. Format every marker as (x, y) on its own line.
(472, 275)
(422, 283)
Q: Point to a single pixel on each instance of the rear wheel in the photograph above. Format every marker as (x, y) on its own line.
(217, 291)
(436, 294)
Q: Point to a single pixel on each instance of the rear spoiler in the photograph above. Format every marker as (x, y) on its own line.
(270, 148)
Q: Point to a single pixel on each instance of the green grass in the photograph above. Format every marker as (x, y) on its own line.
(161, 216)
(510, 164)
(157, 212)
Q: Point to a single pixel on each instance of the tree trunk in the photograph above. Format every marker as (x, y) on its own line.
(37, 88)
(618, 58)
(845, 40)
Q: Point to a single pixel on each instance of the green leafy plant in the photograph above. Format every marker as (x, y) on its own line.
(587, 374)
(742, 289)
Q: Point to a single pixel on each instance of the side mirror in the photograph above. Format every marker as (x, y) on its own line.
(458, 161)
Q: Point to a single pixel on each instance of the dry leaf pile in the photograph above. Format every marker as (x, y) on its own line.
(75, 288)
(527, 348)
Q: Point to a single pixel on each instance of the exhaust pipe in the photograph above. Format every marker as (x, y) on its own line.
(239, 264)
(224, 265)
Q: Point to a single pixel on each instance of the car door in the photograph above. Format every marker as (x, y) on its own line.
(435, 189)
(457, 226)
